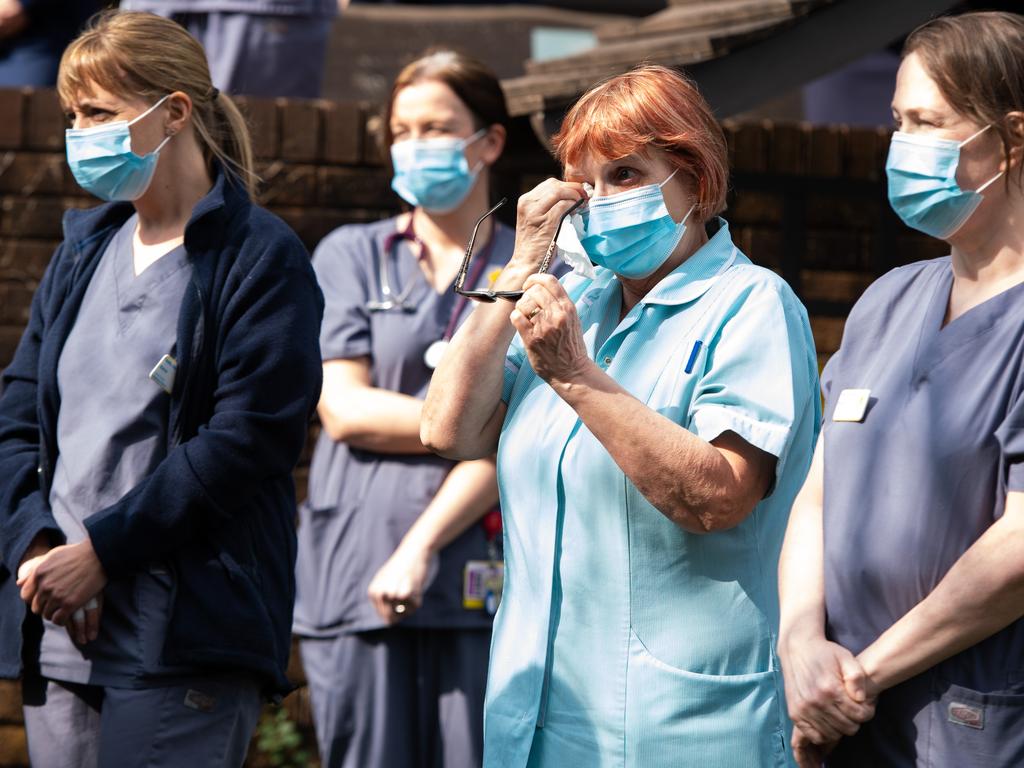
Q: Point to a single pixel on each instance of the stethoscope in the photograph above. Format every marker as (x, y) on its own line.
(389, 301)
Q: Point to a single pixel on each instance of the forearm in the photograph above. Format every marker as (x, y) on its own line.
(372, 419)
(981, 594)
(685, 477)
(463, 405)
(469, 492)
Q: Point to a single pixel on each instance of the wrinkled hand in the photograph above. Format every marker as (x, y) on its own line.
(57, 584)
(826, 691)
(13, 19)
(396, 590)
(806, 753)
(550, 328)
(537, 215)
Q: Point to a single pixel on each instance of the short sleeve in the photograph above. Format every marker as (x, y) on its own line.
(760, 374)
(1010, 435)
(514, 359)
(340, 264)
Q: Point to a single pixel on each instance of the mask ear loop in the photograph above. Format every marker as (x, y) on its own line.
(666, 181)
(972, 137)
(139, 117)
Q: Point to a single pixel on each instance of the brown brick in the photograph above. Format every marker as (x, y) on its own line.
(825, 151)
(25, 260)
(825, 212)
(837, 249)
(830, 285)
(12, 116)
(753, 207)
(38, 217)
(287, 184)
(15, 299)
(32, 173)
(373, 152)
(763, 245)
(296, 673)
(749, 146)
(787, 148)
(355, 188)
(264, 121)
(301, 130)
(300, 708)
(865, 153)
(344, 126)
(13, 746)
(828, 333)
(10, 701)
(45, 121)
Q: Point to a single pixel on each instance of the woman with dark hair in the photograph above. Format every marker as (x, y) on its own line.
(149, 424)
(902, 575)
(394, 557)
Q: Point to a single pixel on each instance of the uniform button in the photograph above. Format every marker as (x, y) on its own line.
(607, 360)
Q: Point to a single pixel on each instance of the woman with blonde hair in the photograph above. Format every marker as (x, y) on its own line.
(149, 423)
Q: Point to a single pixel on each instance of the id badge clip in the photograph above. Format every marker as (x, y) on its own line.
(852, 405)
(163, 373)
(482, 584)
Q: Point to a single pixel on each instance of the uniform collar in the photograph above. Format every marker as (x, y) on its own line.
(691, 279)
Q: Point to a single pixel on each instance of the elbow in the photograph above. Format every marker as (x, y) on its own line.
(337, 428)
(713, 515)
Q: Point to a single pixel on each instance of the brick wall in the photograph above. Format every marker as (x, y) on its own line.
(807, 202)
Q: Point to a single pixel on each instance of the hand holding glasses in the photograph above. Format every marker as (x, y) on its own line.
(490, 297)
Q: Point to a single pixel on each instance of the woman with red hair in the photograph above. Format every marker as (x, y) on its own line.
(654, 418)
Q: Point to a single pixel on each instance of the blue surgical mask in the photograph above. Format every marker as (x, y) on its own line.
(103, 163)
(922, 183)
(630, 233)
(434, 173)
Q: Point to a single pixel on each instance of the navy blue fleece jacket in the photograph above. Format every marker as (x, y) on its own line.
(221, 506)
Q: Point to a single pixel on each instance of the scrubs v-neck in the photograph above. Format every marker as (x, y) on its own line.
(361, 503)
(623, 640)
(111, 433)
(909, 489)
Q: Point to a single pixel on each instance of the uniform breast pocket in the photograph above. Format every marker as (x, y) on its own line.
(970, 729)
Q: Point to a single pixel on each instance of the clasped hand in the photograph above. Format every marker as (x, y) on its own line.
(59, 582)
(829, 696)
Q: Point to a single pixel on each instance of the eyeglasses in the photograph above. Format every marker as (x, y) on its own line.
(489, 297)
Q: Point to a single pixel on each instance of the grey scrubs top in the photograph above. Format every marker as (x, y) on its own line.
(362, 503)
(909, 489)
(112, 432)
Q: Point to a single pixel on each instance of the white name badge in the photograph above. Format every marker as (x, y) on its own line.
(163, 373)
(851, 405)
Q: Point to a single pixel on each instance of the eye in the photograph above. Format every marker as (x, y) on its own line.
(623, 175)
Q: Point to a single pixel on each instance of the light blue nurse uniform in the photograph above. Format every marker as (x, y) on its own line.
(623, 640)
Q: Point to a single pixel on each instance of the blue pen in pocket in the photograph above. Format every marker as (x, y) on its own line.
(693, 355)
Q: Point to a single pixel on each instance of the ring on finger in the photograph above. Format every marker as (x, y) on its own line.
(536, 311)
(400, 608)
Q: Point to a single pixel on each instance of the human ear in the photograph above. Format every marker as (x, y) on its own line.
(179, 110)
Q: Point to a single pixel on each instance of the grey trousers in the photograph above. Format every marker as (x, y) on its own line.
(262, 55)
(399, 698)
(204, 724)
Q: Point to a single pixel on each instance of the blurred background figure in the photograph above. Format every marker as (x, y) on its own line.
(395, 650)
(256, 47)
(34, 33)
